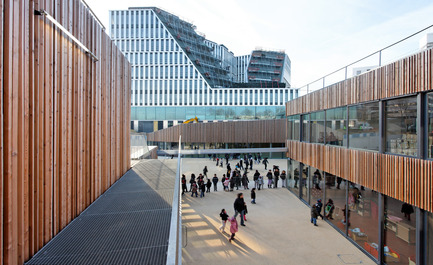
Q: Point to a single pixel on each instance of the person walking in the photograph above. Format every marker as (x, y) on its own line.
(269, 176)
(283, 179)
(224, 216)
(208, 185)
(251, 164)
(233, 227)
(253, 195)
(217, 161)
(215, 182)
(194, 190)
(241, 164)
(205, 171)
(183, 181)
(260, 182)
(265, 162)
(314, 215)
(239, 206)
(317, 177)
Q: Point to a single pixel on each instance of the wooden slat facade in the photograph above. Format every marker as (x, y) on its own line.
(64, 121)
(404, 178)
(255, 131)
(407, 76)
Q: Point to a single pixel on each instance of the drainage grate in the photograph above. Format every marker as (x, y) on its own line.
(129, 224)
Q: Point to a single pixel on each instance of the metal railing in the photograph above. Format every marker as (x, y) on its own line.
(375, 58)
(174, 253)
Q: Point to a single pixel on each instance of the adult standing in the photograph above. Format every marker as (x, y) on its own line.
(215, 182)
(260, 182)
(269, 176)
(256, 179)
(241, 164)
(239, 206)
(283, 179)
(184, 188)
(317, 177)
(276, 177)
(245, 181)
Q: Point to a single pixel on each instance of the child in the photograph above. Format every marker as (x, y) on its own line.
(194, 189)
(224, 218)
(314, 215)
(253, 196)
(233, 227)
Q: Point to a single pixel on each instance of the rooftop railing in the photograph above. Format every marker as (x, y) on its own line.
(386, 55)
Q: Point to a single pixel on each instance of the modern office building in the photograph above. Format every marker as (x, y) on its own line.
(368, 146)
(178, 74)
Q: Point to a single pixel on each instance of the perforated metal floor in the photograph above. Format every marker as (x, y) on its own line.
(128, 224)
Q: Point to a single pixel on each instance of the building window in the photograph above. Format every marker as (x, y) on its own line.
(293, 127)
(430, 124)
(364, 126)
(317, 127)
(400, 232)
(400, 125)
(305, 128)
(336, 126)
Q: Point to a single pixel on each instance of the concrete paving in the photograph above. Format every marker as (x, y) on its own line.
(277, 231)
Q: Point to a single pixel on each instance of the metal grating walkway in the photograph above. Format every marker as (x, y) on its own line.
(128, 224)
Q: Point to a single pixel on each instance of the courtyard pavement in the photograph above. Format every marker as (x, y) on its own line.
(277, 231)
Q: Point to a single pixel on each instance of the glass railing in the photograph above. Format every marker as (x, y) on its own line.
(391, 53)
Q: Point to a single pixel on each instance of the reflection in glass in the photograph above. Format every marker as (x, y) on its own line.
(317, 127)
(400, 230)
(336, 191)
(293, 127)
(364, 126)
(316, 185)
(305, 187)
(293, 176)
(305, 128)
(336, 126)
(429, 238)
(364, 218)
(400, 125)
(430, 124)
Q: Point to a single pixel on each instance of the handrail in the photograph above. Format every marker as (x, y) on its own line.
(93, 14)
(365, 57)
(174, 253)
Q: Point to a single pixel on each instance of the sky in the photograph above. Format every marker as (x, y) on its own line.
(318, 36)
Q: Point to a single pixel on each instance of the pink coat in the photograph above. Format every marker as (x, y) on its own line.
(233, 225)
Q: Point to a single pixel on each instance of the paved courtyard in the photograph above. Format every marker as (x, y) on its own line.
(277, 231)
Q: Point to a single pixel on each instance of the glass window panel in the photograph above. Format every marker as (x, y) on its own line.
(364, 126)
(400, 231)
(364, 218)
(305, 128)
(336, 126)
(293, 176)
(336, 192)
(317, 127)
(170, 113)
(181, 114)
(429, 238)
(430, 124)
(400, 125)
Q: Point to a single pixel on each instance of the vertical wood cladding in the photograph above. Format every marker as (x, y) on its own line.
(407, 76)
(404, 178)
(255, 131)
(64, 121)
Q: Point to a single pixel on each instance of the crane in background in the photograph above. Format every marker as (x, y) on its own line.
(192, 120)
